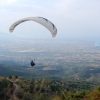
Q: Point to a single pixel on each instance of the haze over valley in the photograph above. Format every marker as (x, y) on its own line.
(72, 60)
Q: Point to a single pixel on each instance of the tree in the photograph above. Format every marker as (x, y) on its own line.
(10, 77)
(20, 93)
(27, 96)
(94, 95)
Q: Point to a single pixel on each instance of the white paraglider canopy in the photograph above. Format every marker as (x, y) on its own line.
(43, 21)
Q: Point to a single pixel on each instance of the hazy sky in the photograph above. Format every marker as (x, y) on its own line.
(73, 18)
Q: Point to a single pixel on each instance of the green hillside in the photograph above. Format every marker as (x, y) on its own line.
(45, 89)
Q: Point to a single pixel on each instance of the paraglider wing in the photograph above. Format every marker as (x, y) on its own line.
(43, 21)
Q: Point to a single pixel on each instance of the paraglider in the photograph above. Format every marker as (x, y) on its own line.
(43, 21)
(32, 63)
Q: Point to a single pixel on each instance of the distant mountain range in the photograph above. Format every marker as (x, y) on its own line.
(7, 37)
